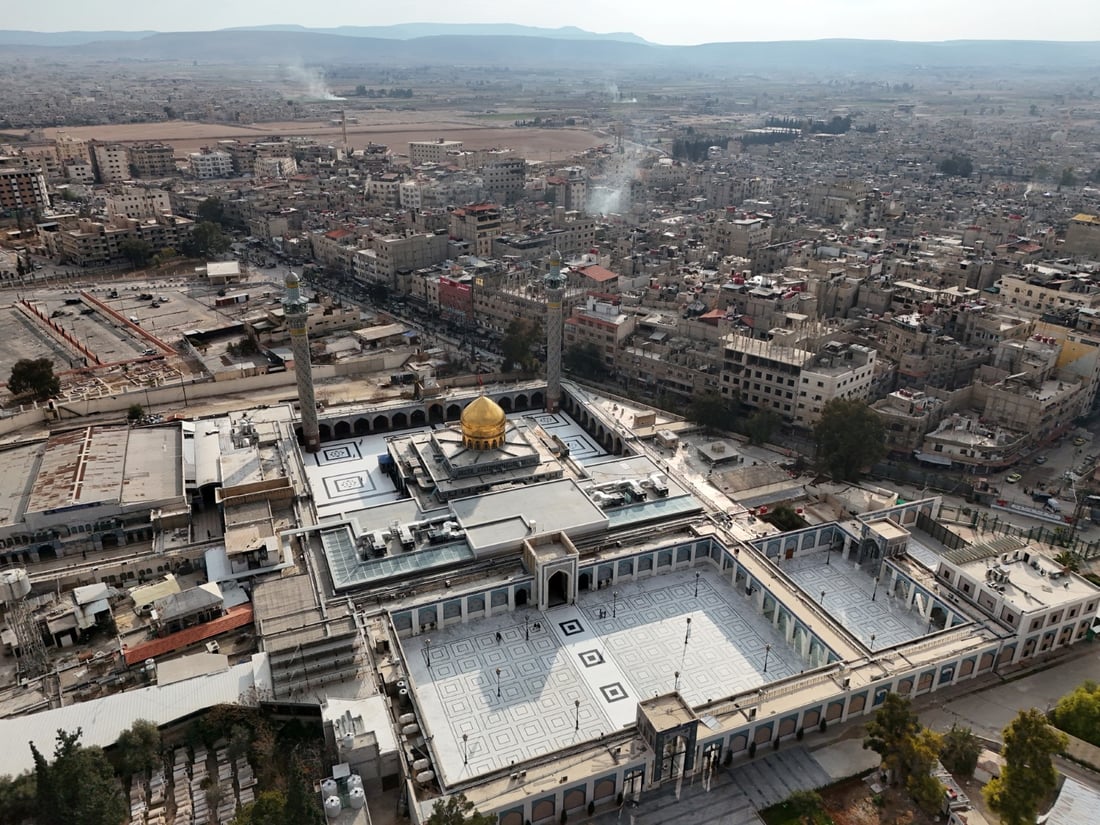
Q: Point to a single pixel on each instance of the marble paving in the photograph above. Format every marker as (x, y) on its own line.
(848, 598)
(581, 445)
(574, 672)
(344, 475)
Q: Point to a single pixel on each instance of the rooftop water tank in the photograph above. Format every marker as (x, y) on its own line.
(406, 718)
(410, 730)
(421, 765)
(329, 788)
(354, 781)
(14, 585)
(333, 807)
(357, 798)
(424, 777)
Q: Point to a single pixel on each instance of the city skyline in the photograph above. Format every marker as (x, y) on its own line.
(698, 21)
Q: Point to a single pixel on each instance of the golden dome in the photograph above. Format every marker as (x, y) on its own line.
(483, 423)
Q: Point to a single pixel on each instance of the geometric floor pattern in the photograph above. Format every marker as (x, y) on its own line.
(576, 671)
(344, 476)
(580, 443)
(848, 598)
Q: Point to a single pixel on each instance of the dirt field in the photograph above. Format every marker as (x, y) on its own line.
(851, 804)
(395, 129)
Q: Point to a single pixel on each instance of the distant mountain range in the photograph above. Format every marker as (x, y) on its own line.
(530, 47)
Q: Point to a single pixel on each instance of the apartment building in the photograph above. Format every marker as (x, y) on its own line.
(22, 187)
(152, 160)
(1043, 289)
(599, 322)
(741, 236)
(1083, 235)
(969, 441)
(399, 254)
(44, 156)
(207, 164)
(477, 224)
(132, 202)
(431, 151)
(779, 375)
(111, 162)
(504, 179)
(98, 243)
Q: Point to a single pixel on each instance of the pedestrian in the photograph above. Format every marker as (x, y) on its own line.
(499, 637)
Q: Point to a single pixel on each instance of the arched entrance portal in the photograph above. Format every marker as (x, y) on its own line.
(557, 589)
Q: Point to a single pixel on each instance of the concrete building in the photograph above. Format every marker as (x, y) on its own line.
(134, 202)
(431, 151)
(477, 224)
(207, 164)
(111, 162)
(152, 160)
(22, 188)
(1083, 235)
(780, 376)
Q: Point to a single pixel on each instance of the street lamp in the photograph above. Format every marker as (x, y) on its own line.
(428, 653)
(767, 653)
(676, 683)
(526, 627)
(465, 752)
(828, 552)
(872, 641)
(822, 597)
(576, 714)
(697, 584)
(498, 682)
(687, 634)
(614, 602)
(875, 593)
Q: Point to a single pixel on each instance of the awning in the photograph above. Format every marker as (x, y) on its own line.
(932, 458)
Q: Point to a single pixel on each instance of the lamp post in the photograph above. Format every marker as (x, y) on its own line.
(697, 584)
(767, 653)
(687, 633)
(676, 683)
(465, 752)
(828, 552)
(874, 594)
(576, 714)
(872, 641)
(428, 653)
(498, 682)
(527, 627)
(822, 597)
(614, 602)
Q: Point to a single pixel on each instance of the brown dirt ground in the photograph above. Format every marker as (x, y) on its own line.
(850, 804)
(394, 129)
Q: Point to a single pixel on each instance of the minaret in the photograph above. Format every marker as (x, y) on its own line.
(555, 288)
(297, 314)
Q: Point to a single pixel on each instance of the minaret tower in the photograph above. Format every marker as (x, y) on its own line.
(296, 309)
(555, 288)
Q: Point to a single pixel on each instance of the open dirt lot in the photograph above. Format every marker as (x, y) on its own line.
(851, 803)
(395, 129)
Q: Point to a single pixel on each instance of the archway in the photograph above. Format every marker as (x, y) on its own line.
(537, 401)
(400, 421)
(435, 413)
(521, 597)
(324, 432)
(454, 412)
(362, 426)
(521, 401)
(583, 581)
(505, 404)
(418, 418)
(46, 552)
(381, 423)
(343, 429)
(557, 589)
(672, 760)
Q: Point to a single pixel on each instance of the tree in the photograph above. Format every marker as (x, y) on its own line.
(206, 239)
(585, 360)
(920, 753)
(850, 436)
(457, 810)
(785, 518)
(78, 787)
(1078, 712)
(760, 425)
(960, 751)
(515, 346)
(18, 798)
(137, 749)
(268, 809)
(957, 166)
(711, 411)
(1028, 777)
(805, 804)
(211, 210)
(135, 412)
(890, 732)
(34, 377)
(136, 250)
(1069, 560)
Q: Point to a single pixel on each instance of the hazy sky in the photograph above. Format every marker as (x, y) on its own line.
(686, 21)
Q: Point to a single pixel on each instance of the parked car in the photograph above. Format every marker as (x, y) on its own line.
(1012, 478)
